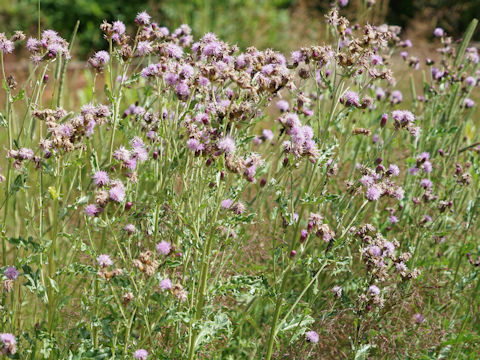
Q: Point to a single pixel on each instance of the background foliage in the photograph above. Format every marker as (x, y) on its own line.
(263, 23)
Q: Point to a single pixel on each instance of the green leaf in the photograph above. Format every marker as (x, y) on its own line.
(362, 352)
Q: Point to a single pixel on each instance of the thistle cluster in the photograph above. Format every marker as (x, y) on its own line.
(381, 261)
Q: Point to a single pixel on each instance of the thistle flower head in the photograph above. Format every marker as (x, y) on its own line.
(141, 354)
(312, 336)
(101, 178)
(6, 46)
(426, 183)
(104, 260)
(373, 193)
(143, 18)
(350, 98)
(166, 284)
(163, 247)
(226, 204)
(117, 193)
(226, 144)
(337, 291)
(9, 344)
(283, 105)
(373, 290)
(130, 229)
(438, 32)
(118, 27)
(11, 273)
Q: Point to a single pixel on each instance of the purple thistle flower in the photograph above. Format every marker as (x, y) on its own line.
(399, 193)
(226, 144)
(401, 267)
(174, 51)
(101, 178)
(403, 117)
(226, 204)
(438, 32)
(26, 154)
(137, 142)
(291, 120)
(367, 180)
(117, 193)
(144, 48)
(182, 90)
(374, 290)
(394, 170)
(376, 59)
(268, 69)
(250, 172)
(140, 154)
(166, 284)
(102, 57)
(187, 71)
(118, 27)
(9, 343)
(471, 81)
(11, 273)
(92, 210)
(213, 48)
(104, 260)
(267, 134)
(122, 154)
(307, 132)
(311, 335)
(468, 103)
(374, 251)
(303, 235)
(393, 219)
(195, 145)
(379, 93)
(130, 229)
(163, 247)
(397, 97)
(141, 354)
(427, 167)
(373, 193)
(419, 318)
(297, 57)
(389, 248)
(350, 98)
(413, 170)
(33, 45)
(6, 46)
(131, 163)
(424, 156)
(171, 79)
(426, 183)
(257, 140)
(143, 18)
(337, 291)
(7, 338)
(65, 130)
(283, 105)
(343, 3)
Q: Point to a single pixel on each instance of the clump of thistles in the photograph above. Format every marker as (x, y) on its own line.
(302, 142)
(380, 258)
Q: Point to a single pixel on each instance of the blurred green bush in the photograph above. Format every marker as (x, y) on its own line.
(263, 23)
(237, 21)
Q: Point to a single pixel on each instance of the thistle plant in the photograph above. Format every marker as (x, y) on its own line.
(195, 200)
